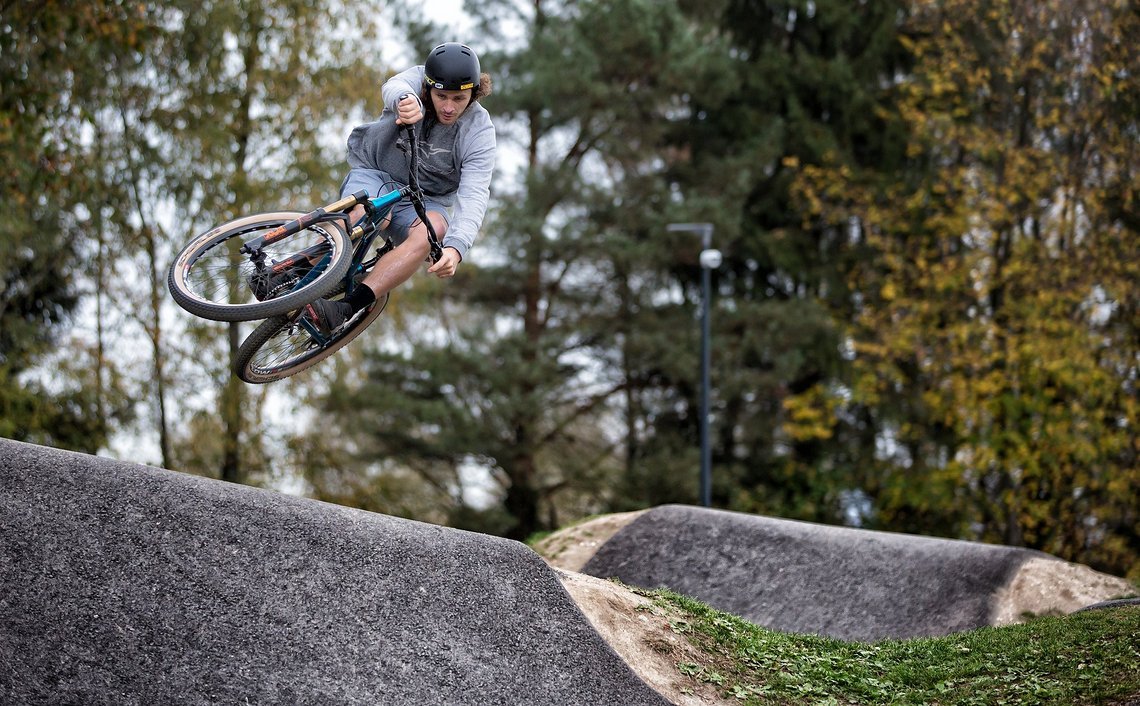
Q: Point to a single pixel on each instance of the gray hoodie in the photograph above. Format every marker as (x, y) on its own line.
(456, 160)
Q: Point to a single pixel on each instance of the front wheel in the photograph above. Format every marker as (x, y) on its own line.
(283, 346)
(213, 279)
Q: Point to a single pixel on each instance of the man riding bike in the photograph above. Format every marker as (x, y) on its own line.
(457, 157)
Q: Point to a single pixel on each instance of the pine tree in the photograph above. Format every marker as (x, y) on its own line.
(525, 370)
(809, 91)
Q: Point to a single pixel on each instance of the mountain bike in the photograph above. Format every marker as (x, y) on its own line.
(270, 265)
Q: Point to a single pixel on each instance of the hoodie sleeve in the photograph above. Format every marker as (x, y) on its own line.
(407, 81)
(477, 164)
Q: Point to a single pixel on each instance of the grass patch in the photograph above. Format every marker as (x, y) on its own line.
(1084, 658)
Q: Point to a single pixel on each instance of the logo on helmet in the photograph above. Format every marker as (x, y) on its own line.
(439, 84)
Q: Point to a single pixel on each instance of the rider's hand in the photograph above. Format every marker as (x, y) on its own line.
(448, 262)
(408, 111)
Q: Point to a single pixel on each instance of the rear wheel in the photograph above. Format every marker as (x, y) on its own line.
(212, 279)
(283, 346)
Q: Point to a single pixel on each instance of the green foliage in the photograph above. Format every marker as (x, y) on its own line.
(926, 320)
(532, 379)
(997, 284)
(125, 129)
(807, 90)
(55, 65)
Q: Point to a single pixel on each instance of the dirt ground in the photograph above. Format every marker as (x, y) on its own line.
(636, 629)
(640, 631)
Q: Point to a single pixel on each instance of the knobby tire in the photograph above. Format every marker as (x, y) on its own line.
(279, 347)
(209, 278)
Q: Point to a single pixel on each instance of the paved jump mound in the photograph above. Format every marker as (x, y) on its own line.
(809, 578)
(125, 584)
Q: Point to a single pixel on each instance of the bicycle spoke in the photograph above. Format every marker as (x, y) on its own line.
(280, 348)
(287, 348)
(230, 274)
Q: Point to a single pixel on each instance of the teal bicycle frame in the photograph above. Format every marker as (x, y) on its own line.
(363, 233)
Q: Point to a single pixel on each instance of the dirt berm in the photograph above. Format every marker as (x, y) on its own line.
(836, 581)
(126, 584)
(123, 584)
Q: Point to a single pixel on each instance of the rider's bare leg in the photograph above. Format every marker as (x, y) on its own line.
(401, 263)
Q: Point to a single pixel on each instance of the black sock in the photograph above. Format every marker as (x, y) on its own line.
(361, 297)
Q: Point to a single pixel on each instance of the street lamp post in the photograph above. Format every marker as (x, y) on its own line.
(710, 259)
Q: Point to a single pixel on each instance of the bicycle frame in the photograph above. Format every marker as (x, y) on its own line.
(363, 234)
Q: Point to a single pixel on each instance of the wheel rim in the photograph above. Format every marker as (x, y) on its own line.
(220, 274)
(292, 349)
(289, 347)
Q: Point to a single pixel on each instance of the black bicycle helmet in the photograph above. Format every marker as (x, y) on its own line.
(452, 67)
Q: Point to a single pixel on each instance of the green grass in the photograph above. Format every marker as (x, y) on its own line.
(1084, 658)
